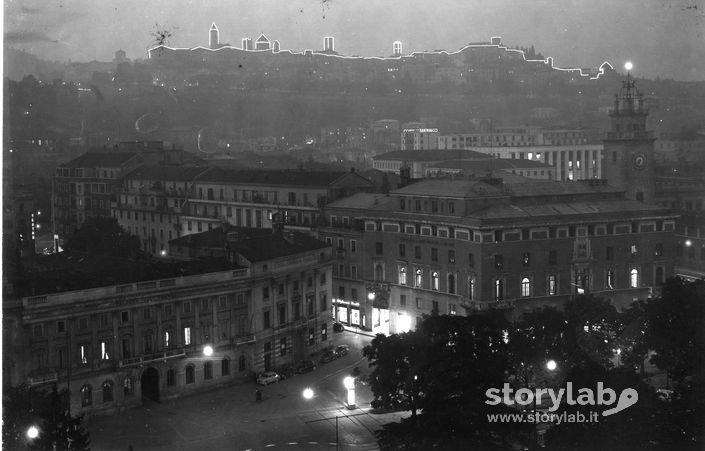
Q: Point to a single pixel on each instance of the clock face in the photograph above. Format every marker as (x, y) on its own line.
(639, 160)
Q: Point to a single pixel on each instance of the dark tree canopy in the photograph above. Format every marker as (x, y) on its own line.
(99, 235)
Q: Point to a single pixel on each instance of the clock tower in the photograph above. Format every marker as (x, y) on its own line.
(628, 156)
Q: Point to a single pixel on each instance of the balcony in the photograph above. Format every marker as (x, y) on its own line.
(148, 358)
(43, 376)
(245, 340)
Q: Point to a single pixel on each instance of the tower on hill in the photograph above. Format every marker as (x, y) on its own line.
(629, 148)
(329, 44)
(396, 48)
(213, 39)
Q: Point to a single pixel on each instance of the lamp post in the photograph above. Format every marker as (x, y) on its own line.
(208, 350)
(32, 432)
(349, 383)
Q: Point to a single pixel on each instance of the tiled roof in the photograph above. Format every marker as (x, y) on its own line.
(175, 173)
(254, 244)
(100, 160)
(449, 188)
(552, 210)
(432, 155)
(295, 178)
(490, 164)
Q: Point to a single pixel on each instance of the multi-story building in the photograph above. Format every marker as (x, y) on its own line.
(86, 186)
(267, 305)
(452, 247)
(418, 138)
(419, 162)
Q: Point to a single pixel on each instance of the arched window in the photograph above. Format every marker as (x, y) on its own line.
(634, 278)
(498, 290)
(451, 283)
(86, 395)
(419, 279)
(208, 370)
(170, 378)
(435, 282)
(659, 274)
(525, 287)
(225, 367)
(167, 339)
(107, 391)
(190, 374)
(379, 272)
(241, 363)
(127, 386)
(471, 288)
(402, 275)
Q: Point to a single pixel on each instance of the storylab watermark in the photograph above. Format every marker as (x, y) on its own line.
(539, 397)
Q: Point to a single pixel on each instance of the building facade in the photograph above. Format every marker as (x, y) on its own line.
(453, 247)
(115, 345)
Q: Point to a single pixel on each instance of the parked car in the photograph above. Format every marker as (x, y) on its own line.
(268, 377)
(342, 350)
(338, 327)
(286, 371)
(305, 366)
(328, 356)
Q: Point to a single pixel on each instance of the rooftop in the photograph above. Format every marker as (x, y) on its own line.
(100, 159)
(490, 164)
(175, 173)
(432, 155)
(284, 177)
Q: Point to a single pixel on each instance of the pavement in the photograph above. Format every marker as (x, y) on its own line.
(230, 417)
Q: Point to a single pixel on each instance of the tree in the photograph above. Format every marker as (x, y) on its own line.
(24, 406)
(99, 235)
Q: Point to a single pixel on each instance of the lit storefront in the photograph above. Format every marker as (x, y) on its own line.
(348, 312)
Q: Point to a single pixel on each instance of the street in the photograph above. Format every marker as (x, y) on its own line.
(230, 418)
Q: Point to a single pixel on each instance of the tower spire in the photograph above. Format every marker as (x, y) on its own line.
(213, 39)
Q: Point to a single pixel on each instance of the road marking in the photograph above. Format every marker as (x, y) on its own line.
(313, 443)
(293, 443)
(270, 445)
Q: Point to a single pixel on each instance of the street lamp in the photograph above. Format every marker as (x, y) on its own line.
(349, 383)
(308, 393)
(32, 432)
(371, 296)
(551, 365)
(208, 350)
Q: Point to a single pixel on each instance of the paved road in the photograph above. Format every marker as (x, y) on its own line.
(230, 418)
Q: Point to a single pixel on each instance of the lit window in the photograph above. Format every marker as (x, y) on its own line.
(551, 285)
(634, 278)
(107, 391)
(402, 275)
(86, 395)
(187, 336)
(419, 279)
(610, 279)
(435, 281)
(498, 290)
(525, 287)
(127, 386)
(471, 289)
(104, 351)
(84, 357)
(167, 339)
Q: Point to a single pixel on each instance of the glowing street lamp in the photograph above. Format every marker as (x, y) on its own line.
(551, 365)
(349, 383)
(371, 296)
(628, 66)
(308, 393)
(32, 432)
(208, 350)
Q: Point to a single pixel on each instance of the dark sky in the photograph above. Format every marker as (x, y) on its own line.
(663, 38)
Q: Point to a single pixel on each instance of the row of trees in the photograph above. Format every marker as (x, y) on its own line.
(442, 370)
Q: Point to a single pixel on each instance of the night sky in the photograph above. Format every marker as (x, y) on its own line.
(663, 38)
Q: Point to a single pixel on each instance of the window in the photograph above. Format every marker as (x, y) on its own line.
(265, 292)
(107, 391)
(435, 281)
(402, 275)
(324, 332)
(37, 330)
(417, 252)
(402, 249)
(379, 272)
(551, 285)
(451, 207)
(402, 299)
(83, 353)
(353, 245)
(451, 283)
(609, 253)
(658, 251)
(341, 292)
(471, 260)
(170, 378)
(104, 355)
(282, 346)
(471, 288)
(282, 314)
(341, 245)
(498, 290)
(434, 254)
(190, 374)
(451, 256)
(86, 395)
(61, 327)
(241, 363)
(167, 339)
(418, 282)
(451, 309)
(525, 287)
(127, 389)
(147, 313)
(378, 248)
(208, 370)
(610, 279)
(266, 322)
(225, 367)
(552, 257)
(83, 323)
(634, 278)
(187, 336)
(525, 259)
(434, 308)
(634, 250)
(187, 307)
(205, 303)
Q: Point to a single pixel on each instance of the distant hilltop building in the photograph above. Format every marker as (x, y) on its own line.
(213, 39)
(329, 44)
(396, 48)
(262, 43)
(246, 44)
